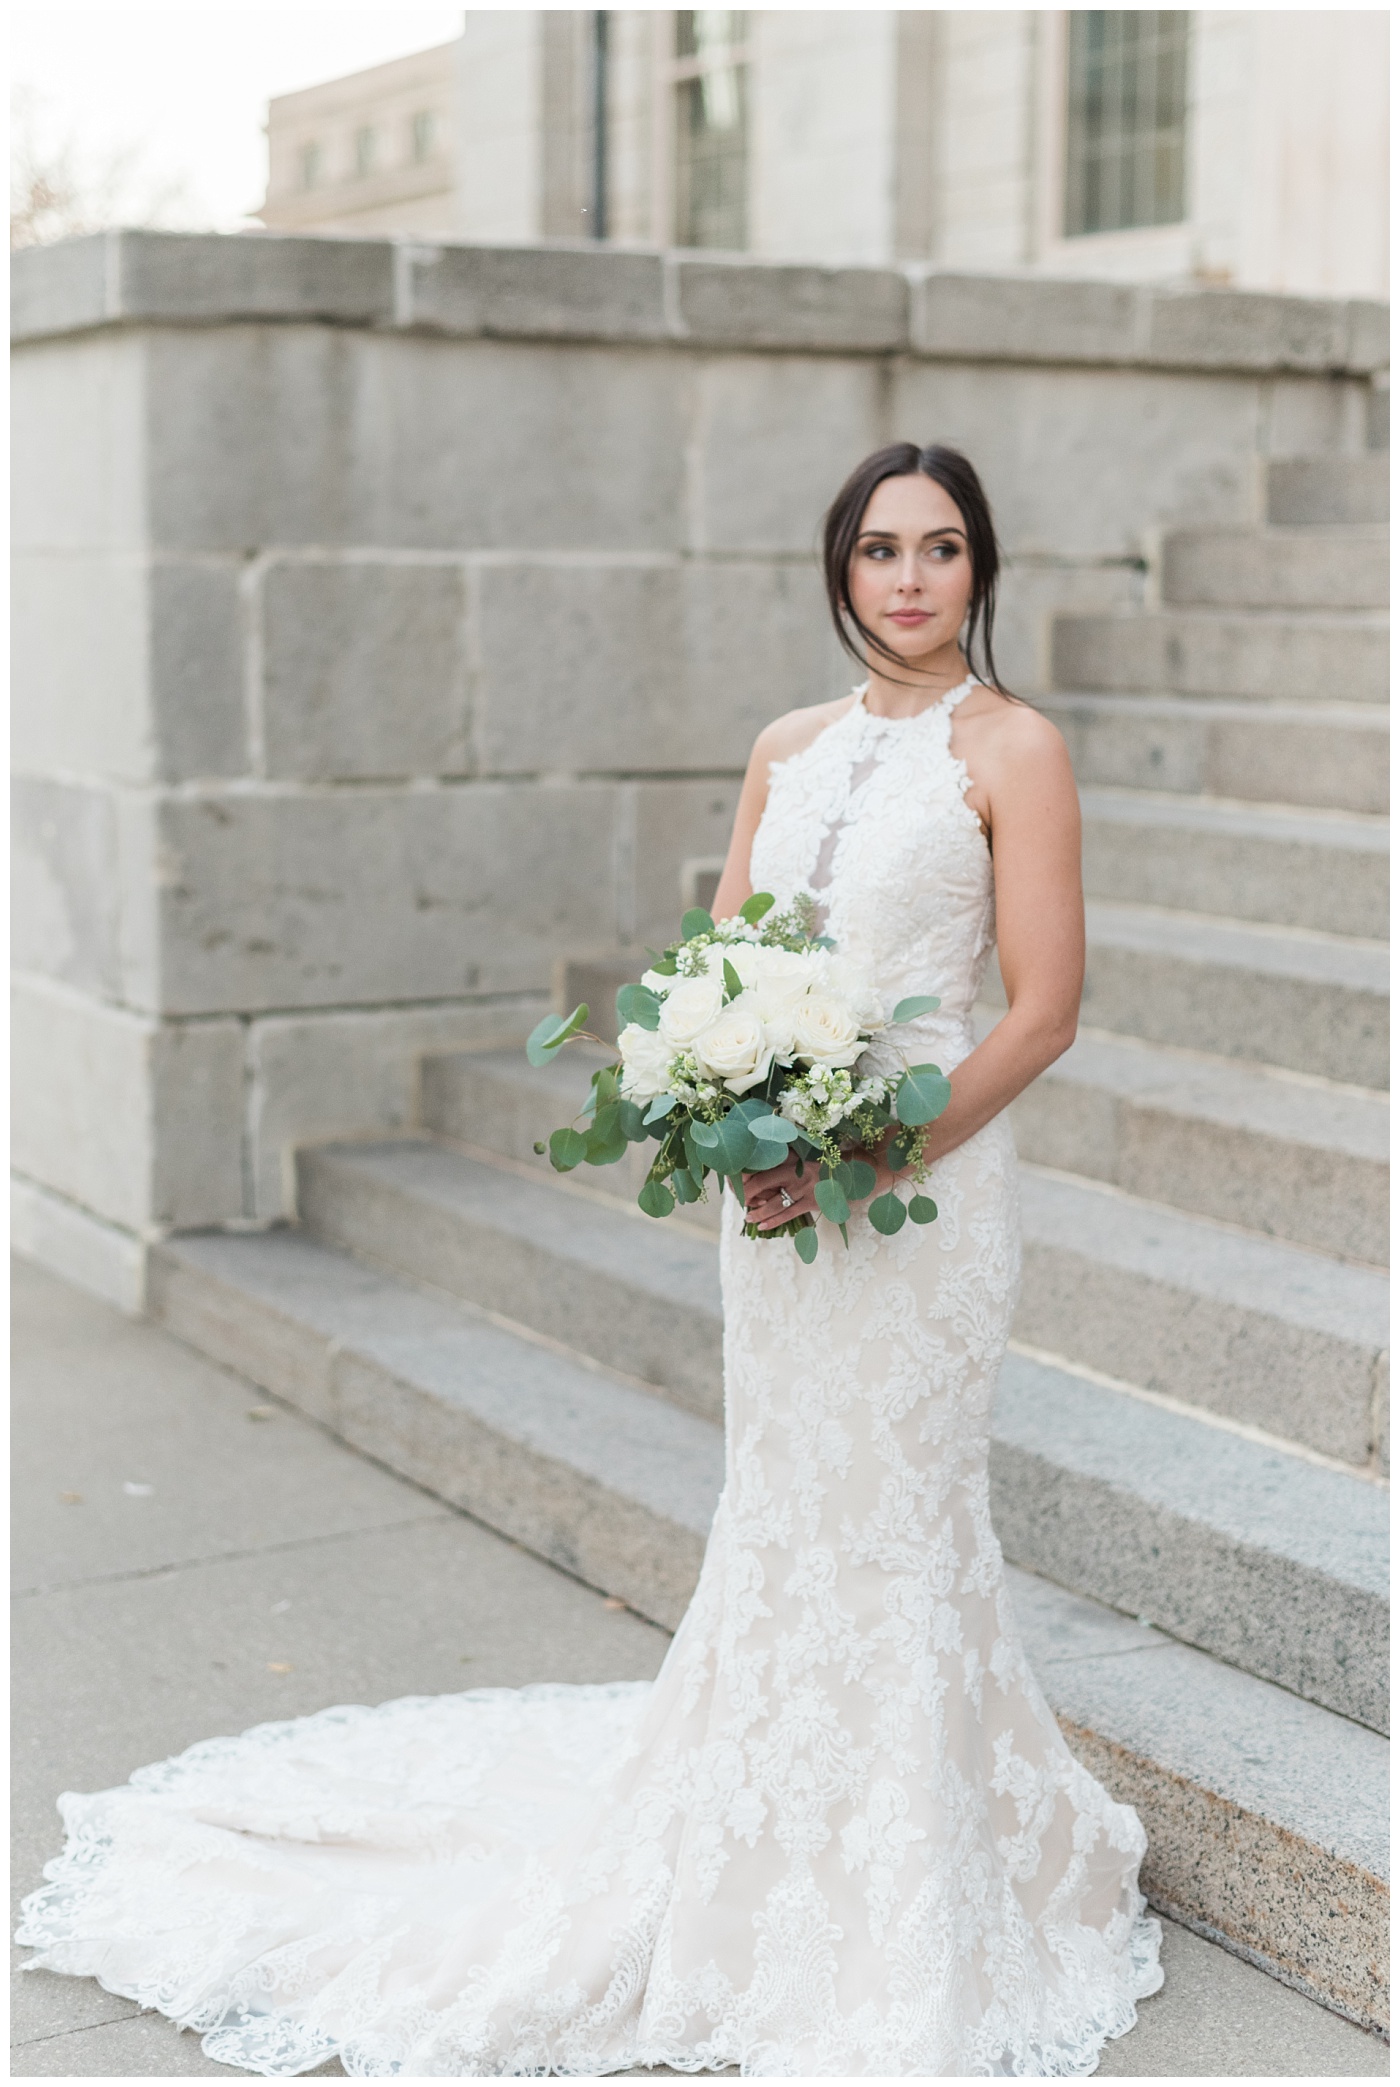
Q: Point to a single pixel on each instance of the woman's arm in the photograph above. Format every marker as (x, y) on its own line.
(1025, 779)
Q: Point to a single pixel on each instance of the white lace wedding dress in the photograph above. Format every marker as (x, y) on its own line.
(841, 1832)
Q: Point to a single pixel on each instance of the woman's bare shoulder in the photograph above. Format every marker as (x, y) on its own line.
(1011, 733)
(796, 729)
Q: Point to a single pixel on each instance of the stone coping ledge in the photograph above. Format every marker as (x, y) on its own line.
(577, 292)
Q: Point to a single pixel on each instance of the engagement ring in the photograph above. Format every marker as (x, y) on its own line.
(787, 1199)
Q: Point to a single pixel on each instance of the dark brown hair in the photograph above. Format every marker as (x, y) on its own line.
(950, 469)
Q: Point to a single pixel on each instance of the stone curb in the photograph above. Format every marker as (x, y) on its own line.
(575, 292)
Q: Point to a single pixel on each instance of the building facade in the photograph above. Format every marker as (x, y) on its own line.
(1227, 146)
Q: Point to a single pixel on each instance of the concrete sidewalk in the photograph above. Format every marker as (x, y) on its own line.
(191, 1559)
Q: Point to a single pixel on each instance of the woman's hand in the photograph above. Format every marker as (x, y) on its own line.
(763, 1193)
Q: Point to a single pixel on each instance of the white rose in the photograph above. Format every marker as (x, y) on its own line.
(826, 1031)
(742, 956)
(660, 982)
(855, 989)
(690, 1006)
(777, 1010)
(735, 1047)
(645, 1063)
(788, 973)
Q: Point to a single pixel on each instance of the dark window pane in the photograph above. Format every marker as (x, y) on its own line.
(1125, 162)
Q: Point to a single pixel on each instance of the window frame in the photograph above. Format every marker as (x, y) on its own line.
(673, 72)
(1129, 144)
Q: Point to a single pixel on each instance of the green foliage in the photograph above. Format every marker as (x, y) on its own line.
(806, 1243)
(916, 1004)
(921, 1095)
(696, 922)
(857, 1177)
(662, 1106)
(567, 1149)
(776, 1130)
(733, 984)
(922, 1209)
(685, 1187)
(831, 1200)
(656, 1199)
(638, 1003)
(754, 909)
(547, 1035)
(630, 1121)
(887, 1213)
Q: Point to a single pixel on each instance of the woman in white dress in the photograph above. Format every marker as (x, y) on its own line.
(841, 1833)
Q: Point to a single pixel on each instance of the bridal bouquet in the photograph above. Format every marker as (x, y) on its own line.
(748, 1040)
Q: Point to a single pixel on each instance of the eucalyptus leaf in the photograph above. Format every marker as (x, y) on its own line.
(662, 1106)
(664, 967)
(858, 1178)
(696, 922)
(684, 1186)
(916, 1004)
(776, 1129)
(733, 1153)
(630, 1121)
(922, 1209)
(846, 1235)
(831, 1201)
(656, 1199)
(705, 1135)
(764, 1157)
(887, 1213)
(540, 1145)
(754, 909)
(733, 984)
(567, 1149)
(606, 1152)
(547, 1035)
(922, 1094)
(638, 1003)
(806, 1243)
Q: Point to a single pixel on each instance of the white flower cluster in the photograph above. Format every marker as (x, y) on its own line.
(795, 1007)
(817, 1100)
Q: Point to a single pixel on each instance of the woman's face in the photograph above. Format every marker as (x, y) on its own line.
(910, 578)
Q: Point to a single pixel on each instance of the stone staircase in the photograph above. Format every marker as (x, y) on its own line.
(1189, 1440)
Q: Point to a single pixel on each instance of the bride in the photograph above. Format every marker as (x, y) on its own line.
(841, 1832)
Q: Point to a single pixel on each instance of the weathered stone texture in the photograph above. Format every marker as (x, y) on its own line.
(66, 890)
(137, 1121)
(729, 303)
(317, 435)
(775, 437)
(538, 292)
(364, 670)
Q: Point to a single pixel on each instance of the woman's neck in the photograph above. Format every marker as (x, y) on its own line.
(904, 691)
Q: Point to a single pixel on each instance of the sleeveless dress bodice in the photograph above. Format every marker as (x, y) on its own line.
(841, 1833)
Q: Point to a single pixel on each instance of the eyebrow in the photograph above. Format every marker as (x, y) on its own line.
(890, 535)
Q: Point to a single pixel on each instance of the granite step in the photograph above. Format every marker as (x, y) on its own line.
(643, 1298)
(1257, 1329)
(1298, 568)
(1330, 755)
(1312, 490)
(1259, 1332)
(1251, 1145)
(1312, 1002)
(1278, 863)
(1307, 656)
(1260, 1806)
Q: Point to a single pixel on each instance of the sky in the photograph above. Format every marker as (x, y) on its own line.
(182, 91)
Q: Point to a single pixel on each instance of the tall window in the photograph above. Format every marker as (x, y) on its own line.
(364, 150)
(309, 161)
(711, 92)
(422, 132)
(1126, 159)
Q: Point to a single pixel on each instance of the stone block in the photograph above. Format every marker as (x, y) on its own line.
(70, 1242)
(1078, 463)
(737, 303)
(1368, 335)
(137, 1122)
(324, 1076)
(1017, 320)
(66, 891)
(673, 823)
(312, 898)
(1240, 330)
(141, 274)
(554, 292)
(1329, 489)
(1276, 569)
(77, 460)
(80, 666)
(195, 650)
(364, 670)
(630, 669)
(327, 437)
(776, 437)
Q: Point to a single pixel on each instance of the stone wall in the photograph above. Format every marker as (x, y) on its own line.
(390, 620)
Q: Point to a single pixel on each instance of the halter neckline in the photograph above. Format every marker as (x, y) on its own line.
(945, 702)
